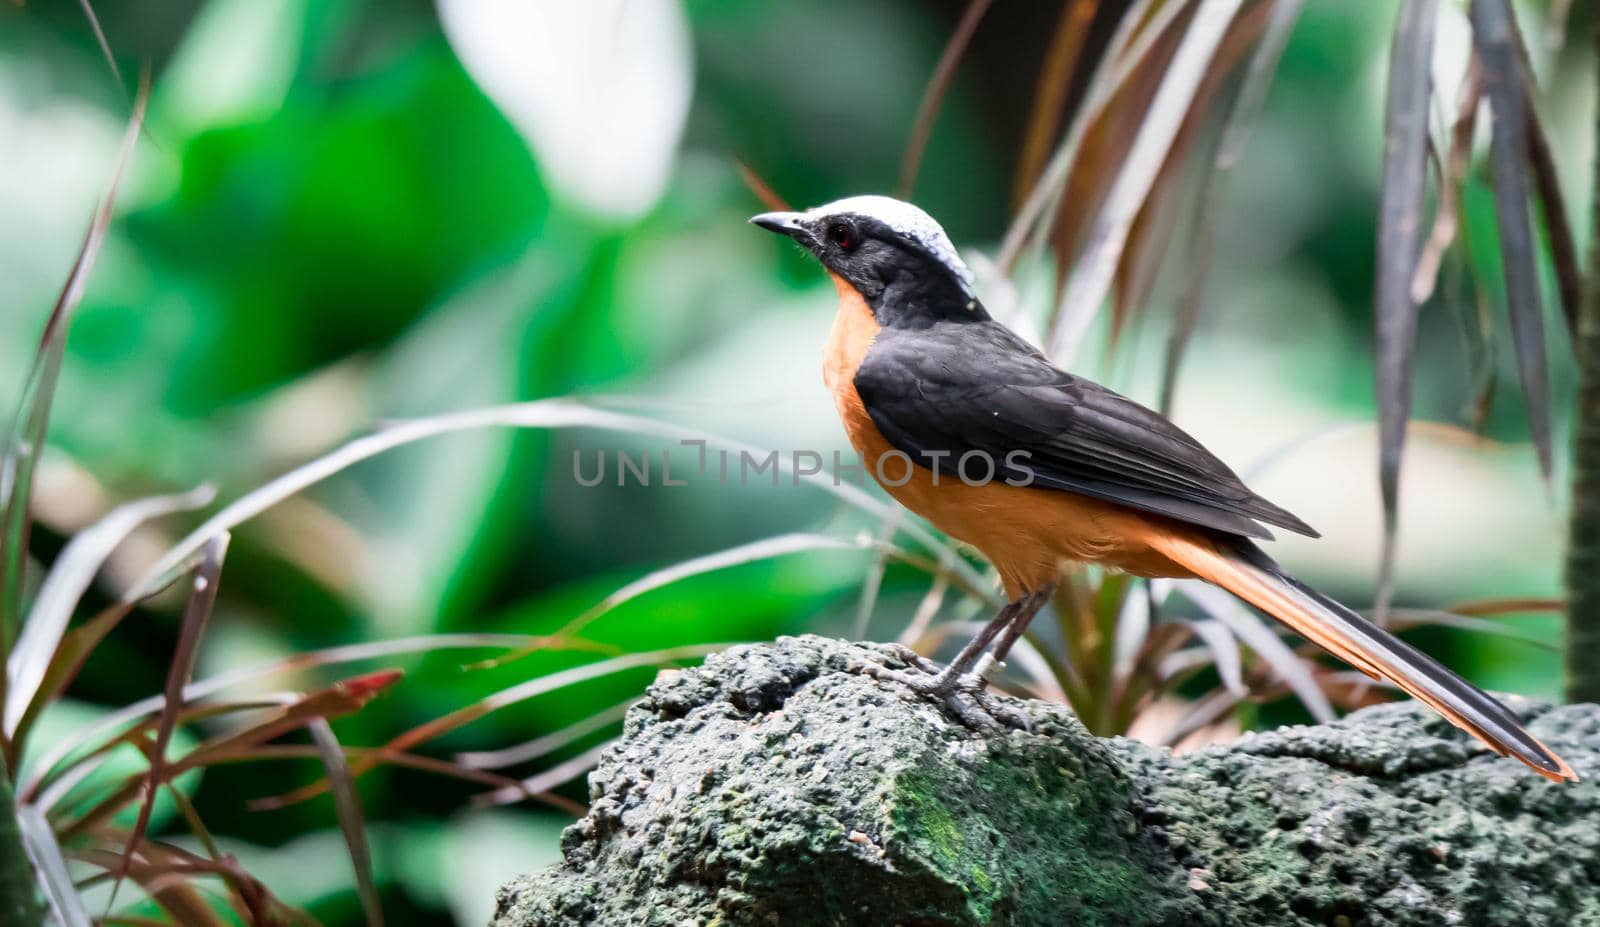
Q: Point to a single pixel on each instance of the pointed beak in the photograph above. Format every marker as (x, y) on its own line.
(784, 223)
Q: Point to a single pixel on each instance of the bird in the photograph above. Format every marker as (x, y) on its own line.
(969, 425)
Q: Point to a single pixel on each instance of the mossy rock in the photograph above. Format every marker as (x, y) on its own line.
(772, 787)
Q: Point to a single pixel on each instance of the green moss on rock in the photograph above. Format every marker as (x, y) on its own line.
(770, 787)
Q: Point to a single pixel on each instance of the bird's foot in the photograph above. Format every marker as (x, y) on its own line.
(966, 695)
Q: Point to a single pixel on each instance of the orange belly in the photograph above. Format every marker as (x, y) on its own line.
(1025, 532)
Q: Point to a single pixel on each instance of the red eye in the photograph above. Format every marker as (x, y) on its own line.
(842, 235)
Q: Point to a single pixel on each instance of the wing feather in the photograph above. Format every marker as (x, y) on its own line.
(943, 391)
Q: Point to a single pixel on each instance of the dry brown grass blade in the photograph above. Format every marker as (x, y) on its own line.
(1506, 84)
(1109, 124)
(521, 692)
(1063, 61)
(69, 755)
(1494, 607)
(415, 761)
(1452, 175)
(196, 615)
(345, 697)
(342, 698)
(1108, 75)
(933, 96)
(1399, 240)
(763, 191)
(872, 583)
(1157, 130)
(191, 818)
(167, 874)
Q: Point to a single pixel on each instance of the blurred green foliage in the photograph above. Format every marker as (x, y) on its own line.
(330, 224)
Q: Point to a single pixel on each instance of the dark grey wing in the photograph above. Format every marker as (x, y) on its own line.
(941, 392)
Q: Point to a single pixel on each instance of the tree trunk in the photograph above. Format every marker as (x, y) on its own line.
(1583, 546)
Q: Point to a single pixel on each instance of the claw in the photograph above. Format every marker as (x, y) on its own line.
(966, 696)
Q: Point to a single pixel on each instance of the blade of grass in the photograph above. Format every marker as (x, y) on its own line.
(191, 819)
(1110, 71)
(933, 96)
(1555, 26)
(556, 775)
(54, 798)
(1505, 84)
(764, 549)
(415, 761)
(544, 413)
(196, 615)
(65, 664)
(1425, 617)
(1558, 227)
(167, 875)
(1224, 649)
(296, 711)
(1088, 286)
(25, 438)
(74, 569)
(763, 191)
(45, 769)
(1208, 710)
(549, 743)
(927, 609)
(1102, 133)
(1144, 257)
(105, 47)
(54, 880)
(1244, 108)
(20, 902)
(1062, 61)
(873, 583)
(1446, 219)
(489, 704)
(1547, 183)
(352, 823)
(1296, 673)
(1492, 607)
(1130, 630)
(1399, 233)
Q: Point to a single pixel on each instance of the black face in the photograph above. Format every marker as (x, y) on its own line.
(904, 284)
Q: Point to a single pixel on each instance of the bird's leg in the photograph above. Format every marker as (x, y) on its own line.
(957, 685)
(1030, 606)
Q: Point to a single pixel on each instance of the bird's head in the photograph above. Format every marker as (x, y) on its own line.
(894, 254)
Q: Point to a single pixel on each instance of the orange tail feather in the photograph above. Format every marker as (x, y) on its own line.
(1245, 571)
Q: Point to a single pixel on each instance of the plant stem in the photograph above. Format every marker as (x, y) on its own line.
(19, 898)
(1583, 544)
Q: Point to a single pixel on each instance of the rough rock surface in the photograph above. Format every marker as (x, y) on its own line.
(770, 787)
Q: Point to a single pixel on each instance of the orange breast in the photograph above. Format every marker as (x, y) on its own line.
(1026, 533)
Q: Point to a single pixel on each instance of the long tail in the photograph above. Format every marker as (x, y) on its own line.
(1244, 570)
